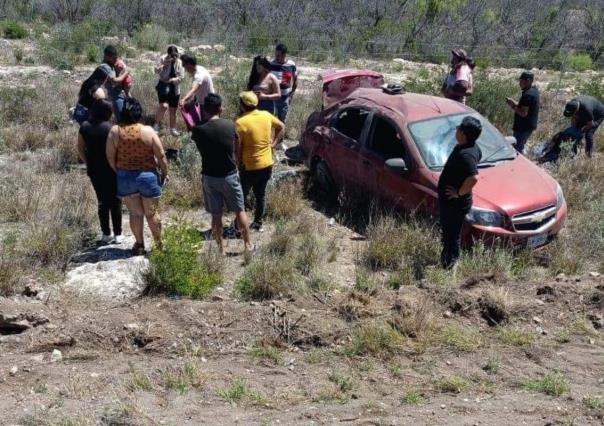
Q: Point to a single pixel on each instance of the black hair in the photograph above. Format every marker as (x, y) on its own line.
(110, 50)
(100, 111)
(172, 50)
(148, 119)
(212, 103)
(188, 60)
(471, 127)
(281, 48)
(254, 78)
(92, 83)
(132, 112)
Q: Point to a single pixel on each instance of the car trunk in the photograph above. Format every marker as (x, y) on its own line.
(338, 84)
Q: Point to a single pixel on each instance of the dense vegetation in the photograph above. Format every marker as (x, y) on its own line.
(557, 33)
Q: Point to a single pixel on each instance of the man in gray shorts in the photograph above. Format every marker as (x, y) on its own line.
(215, 140)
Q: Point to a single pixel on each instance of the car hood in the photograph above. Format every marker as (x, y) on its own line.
(514, 187)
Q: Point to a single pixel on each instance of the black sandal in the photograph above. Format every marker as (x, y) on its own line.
(138, 249)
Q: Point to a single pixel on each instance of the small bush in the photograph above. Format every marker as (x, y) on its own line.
(152, 37)
(266, 351)
(481, 260)
(451, 384)
(14, 30)
(375, 338)
(11, 268)
(463, 339)
(489, 98)
(580, 62)
(593, 402)
(182, 378)
(514, 336)
(365, 280)
(267, 277)
(286, 201)
(412, 397)
(393, 244)
(554, 384)
(240, 392)
(179, 268)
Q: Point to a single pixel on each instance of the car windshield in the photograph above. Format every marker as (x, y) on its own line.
(435, 139)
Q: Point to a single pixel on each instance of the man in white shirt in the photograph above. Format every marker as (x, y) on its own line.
(192, 102)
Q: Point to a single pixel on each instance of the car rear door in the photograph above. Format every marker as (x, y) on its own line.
(348, 128)
(386, 141)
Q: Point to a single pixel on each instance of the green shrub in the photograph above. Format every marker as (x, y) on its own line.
(375, 338)
(593, 87)
(14, 30)
(267, 277)
(554, 384)
(179, 269)
(580, 62)
(489, 99)
(152, 37)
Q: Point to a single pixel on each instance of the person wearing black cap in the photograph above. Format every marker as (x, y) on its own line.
(587, 114)
(457, 179)
(526, 110)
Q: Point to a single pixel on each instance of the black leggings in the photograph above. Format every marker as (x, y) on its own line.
(452, 214)
(256, 180)
(106, 194)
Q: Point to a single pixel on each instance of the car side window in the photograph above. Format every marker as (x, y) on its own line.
(350, 122)
(386, 140)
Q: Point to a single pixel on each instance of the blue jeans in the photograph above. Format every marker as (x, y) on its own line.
(143, 182)
(266, 105)
(282, 107)
(118, 107)
(521, 137)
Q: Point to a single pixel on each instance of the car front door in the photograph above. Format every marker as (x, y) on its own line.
(384, 142)
(348, 129)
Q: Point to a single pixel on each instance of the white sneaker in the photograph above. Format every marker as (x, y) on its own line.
(106, 239)
(174, 132)
(118, 239)
(283, 146)
(156, 127)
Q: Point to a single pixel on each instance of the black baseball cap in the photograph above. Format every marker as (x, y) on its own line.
(471, 127)
(527, 75)
(571, 108)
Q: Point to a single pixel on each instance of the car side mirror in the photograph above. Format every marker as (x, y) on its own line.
(511, 140)
(397, 165)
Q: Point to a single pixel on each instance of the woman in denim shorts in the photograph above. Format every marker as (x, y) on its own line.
(135, 152)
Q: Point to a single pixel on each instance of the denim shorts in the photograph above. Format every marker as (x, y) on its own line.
(143, 182)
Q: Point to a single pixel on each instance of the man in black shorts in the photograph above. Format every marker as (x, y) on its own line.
(457, 179)
(587, 114)
(216, 142)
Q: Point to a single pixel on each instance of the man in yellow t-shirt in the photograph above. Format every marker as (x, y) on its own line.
(258, 132)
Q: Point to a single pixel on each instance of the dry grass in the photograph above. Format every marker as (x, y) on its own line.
(376, 338)
(393, 244)
(286, 201)
(415, 317)
(496, 305)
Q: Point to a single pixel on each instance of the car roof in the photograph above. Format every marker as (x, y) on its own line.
(412, 106)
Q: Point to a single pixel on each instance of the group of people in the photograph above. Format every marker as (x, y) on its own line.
(125, 158)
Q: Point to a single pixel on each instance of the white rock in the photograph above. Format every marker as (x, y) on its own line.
(219, 47)
(594, 274)
(131, 327)
(14, 369)
(56, 356)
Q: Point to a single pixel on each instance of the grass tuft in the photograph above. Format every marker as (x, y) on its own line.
(554, 384)
(375, 338)
(451, 384)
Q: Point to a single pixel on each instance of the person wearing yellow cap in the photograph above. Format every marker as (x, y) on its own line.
(259, 132)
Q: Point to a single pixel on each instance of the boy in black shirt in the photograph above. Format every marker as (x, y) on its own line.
(587, 114)
(216, 142)
(526, 110)
(457, 179)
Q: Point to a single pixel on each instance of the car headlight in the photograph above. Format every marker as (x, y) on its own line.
(559, 197)
(484, 217)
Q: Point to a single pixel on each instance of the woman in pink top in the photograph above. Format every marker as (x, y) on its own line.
(459, 82)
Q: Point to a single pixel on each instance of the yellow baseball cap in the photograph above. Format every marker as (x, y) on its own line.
(249, 98)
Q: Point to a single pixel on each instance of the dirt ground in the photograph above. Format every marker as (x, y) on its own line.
(170, 361)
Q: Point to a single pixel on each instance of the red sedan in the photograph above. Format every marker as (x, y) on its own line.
(395, 144)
